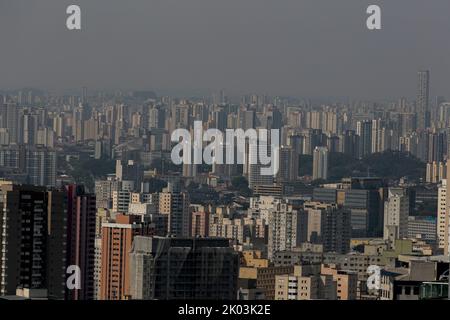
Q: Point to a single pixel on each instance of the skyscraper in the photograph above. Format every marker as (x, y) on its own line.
(320, 163)
(81, 239)
(328, 224)
(364, 131)
(284, 224)
(41, 166)
(117, 239)
(442, 216)
(84, 95)
(183, 268)
(377, 136)
(349, 143)
(396, 212)
(33, 239)
(255, 172)
(129, 171)
(446, 232)
(200, 222)
(12, 122)
(423, 100)
(175, 204)
(288, 170)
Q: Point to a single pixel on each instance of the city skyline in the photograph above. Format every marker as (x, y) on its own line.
(215, 151)
(421, 95)
(362, 181)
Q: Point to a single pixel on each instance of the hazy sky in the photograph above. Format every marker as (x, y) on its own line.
(293, 47)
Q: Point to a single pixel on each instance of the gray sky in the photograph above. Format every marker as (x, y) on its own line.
(293, 47)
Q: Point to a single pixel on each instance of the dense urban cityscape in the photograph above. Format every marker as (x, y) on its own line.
(92, 207)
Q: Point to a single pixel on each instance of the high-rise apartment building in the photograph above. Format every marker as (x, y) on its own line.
(121, 200)
(349, 143)
(117, 239)
(396, 212)
(183, 268)
(104, 190)
(97, 268)
(258, 173)
(129, 171)
(423, 100)
(436, 172)
(320, 163)
(175, 204)
(364, 196)
(33, 239)
(446, 232)
(81, 239)
(377, 136)
(364, 131)
(12, 122)
(329, 225)
(288, 165)
(200, 222)
(37, 164)
(40, 166)
(284, 224)
(442, 215)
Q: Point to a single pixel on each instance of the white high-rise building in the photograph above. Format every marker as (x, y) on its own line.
(442, 214)
(376, 135)
(445, 222)
(283, 227)
(320, 163)
(396, 212)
